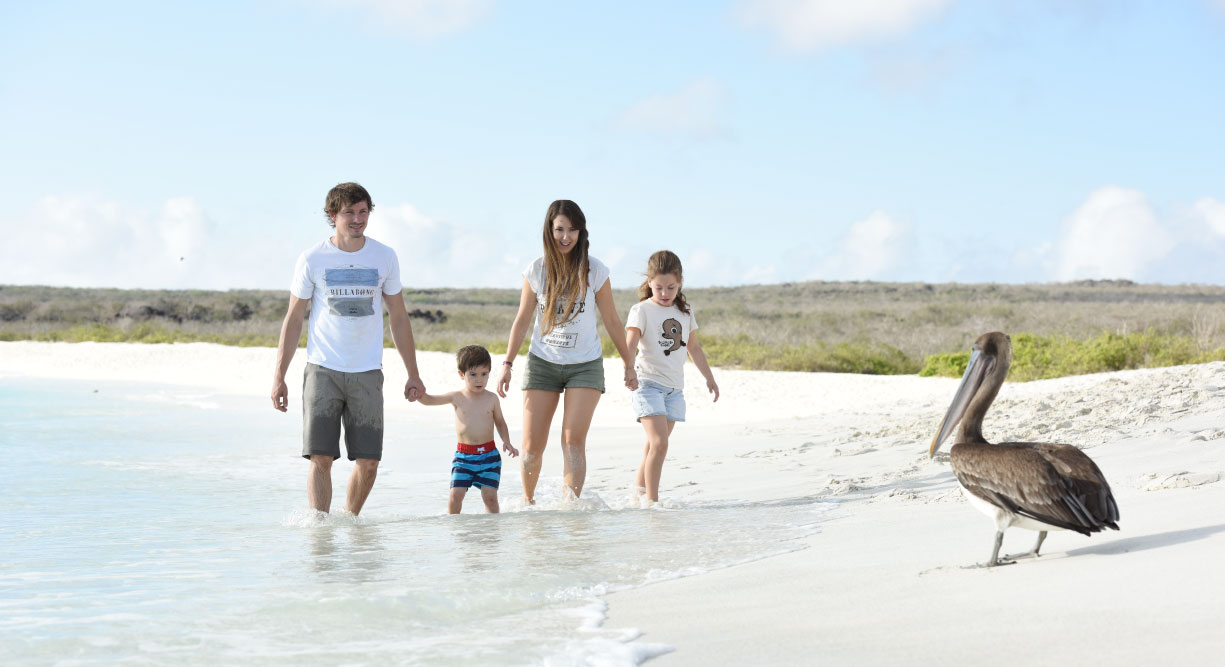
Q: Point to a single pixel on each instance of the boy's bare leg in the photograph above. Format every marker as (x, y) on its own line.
(538, 408)
(456, 500)
(360, 483)
(490, 496)
(658, 429)
(319, 483)
(575, 422)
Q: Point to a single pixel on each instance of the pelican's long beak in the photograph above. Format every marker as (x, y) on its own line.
(980, 367)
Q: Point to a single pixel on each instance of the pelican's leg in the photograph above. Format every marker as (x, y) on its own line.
(995, 553)
(1034, 553)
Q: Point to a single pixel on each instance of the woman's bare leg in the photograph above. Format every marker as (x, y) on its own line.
(538, 408)
(576, 420)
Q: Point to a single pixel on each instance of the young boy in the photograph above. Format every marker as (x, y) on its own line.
(477, 413)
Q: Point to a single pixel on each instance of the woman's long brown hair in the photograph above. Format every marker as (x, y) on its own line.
(663, 263)
(565, 276)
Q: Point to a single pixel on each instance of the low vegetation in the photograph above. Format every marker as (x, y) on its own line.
(879, 328)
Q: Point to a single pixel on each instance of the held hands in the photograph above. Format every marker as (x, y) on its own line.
(414, 388)
(510, 449)
(713, 388)
(631, 378)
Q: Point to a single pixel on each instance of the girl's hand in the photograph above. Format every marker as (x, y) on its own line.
(504, 382)
(631, 378)
(713, 388)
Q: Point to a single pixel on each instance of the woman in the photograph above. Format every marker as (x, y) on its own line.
(564, 287)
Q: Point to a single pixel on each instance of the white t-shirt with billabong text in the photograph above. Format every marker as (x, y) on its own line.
(665, 337)
(576, 341)
(346, 291)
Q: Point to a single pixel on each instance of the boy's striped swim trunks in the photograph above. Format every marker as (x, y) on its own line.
(476, 465)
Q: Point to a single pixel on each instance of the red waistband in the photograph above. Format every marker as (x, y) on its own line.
(476, 449)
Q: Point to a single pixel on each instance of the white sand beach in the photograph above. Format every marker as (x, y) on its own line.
(889, 580)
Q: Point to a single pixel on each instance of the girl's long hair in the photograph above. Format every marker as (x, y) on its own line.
(662, 263)
(565, 276)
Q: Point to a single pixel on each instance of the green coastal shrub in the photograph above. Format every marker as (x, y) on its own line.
(1041, 357)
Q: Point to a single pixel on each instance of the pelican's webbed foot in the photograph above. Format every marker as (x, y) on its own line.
(1028, 554)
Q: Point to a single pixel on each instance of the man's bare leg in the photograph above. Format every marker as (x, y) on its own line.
(360, 483)
(319, 483)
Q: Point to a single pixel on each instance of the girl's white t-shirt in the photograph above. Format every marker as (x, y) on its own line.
(662, 348)
(346, 290)
(576, 341)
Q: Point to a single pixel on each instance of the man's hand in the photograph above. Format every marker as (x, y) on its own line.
(280, 395)
(413, 389)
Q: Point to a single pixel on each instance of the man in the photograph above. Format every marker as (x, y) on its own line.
(347, 280)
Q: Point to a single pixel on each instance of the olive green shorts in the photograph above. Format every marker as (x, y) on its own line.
(546, 375)
(331, 398)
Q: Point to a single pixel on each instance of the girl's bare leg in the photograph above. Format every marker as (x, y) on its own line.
(576, 420)
(538, 408)
(658, 429)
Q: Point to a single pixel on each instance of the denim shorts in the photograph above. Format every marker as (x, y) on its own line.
(546, 375)
(655, 399)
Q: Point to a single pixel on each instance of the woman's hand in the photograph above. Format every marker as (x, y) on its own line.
(713, 388)
(504, 382)
(631, 378)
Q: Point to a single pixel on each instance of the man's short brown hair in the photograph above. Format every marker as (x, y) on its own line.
(344, 194)
(472, 356)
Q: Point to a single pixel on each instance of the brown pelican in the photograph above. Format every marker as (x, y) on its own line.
(1034, 485)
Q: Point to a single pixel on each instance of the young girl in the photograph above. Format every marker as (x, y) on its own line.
(661, 325)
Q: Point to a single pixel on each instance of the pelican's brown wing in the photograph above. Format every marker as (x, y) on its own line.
(1023, 479)
(1085, 480)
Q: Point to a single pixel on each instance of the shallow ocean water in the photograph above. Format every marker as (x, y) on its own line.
(160, 525)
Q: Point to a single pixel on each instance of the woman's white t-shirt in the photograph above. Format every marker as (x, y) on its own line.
(662, 348)
(576, 341)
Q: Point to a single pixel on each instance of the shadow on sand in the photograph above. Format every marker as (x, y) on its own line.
(1142, 542)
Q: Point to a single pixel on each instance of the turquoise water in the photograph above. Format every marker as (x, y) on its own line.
(165, 526)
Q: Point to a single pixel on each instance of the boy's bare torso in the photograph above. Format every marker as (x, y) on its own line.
(474, 423)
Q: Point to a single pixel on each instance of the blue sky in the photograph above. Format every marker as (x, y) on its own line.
(190, 145)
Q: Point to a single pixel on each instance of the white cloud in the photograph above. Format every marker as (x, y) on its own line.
(695, 110)
(1211, 211)
(1114, 234)
(813, 25)
(421, 18)
(83, 241)
(871, 249)
(438, 253)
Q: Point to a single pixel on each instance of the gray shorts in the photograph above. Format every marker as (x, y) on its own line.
(330, 398)
(546, 375)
